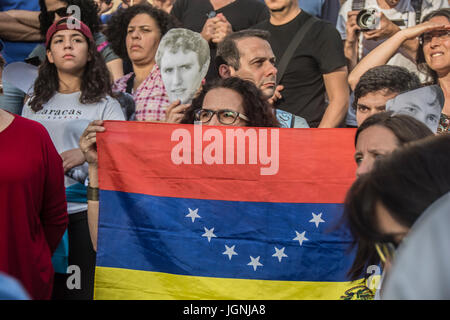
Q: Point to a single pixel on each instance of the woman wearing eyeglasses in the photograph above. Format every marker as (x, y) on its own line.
(382, 206)
(232, 101)
(429, 46)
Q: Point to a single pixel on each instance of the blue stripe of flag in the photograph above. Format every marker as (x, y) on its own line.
(149, 233)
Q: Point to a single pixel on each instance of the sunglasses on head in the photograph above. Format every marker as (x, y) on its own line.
(61, 12)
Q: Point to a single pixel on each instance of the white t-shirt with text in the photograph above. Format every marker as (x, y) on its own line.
(65, 119)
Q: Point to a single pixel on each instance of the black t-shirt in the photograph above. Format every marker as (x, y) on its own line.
(242, 14)
(320, 52)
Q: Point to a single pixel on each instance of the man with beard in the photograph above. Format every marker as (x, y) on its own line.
(248, 55)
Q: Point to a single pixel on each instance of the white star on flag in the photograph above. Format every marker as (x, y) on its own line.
(193, 214)
(317, 218)
(230, 251)
(209, 234)
(279, 253)
(255, 263)
(300, 237)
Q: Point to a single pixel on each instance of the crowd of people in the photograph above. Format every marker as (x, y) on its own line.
(247, 63)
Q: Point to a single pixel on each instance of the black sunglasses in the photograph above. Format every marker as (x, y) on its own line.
(62, 12)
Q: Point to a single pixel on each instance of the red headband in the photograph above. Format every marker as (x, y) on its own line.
(61, 24)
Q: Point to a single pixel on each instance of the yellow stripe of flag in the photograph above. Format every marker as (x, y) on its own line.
(125, 284)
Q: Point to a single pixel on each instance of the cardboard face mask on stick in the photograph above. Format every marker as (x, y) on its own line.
(425, 104)
(183, 57)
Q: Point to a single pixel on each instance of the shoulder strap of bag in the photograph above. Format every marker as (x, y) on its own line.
(293, 45)
(358, 5)
(417, 5)
(130, 83)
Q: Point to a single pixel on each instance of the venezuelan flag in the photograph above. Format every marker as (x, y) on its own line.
(189, 212)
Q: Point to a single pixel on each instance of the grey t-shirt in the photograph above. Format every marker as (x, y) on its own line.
(65, 119)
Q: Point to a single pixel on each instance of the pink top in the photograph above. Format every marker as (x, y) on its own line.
(150, 97)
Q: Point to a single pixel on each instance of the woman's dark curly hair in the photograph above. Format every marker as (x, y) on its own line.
(420, 59)
(116, 29)
(256, 108)
(88, 15)
(95, 81)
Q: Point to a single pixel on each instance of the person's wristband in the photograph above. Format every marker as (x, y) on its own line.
(92, 194)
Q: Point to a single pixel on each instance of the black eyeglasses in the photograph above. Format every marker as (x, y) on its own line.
(62, 12)
(427, 37)
(226, 117)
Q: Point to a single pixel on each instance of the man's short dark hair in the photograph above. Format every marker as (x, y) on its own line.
(227, 51)
(394, 79)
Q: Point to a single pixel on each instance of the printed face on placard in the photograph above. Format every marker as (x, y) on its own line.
(425, 104)
(183, 59)
(181, 75)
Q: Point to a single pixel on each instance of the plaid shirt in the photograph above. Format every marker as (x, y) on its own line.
(150, 97)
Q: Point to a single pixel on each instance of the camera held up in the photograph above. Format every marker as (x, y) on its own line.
(368, 19)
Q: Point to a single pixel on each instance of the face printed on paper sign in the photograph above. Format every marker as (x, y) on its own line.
(425, 104)
(183, 58)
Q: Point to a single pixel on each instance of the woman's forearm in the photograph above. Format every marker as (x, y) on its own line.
(93, 206)
(15, 28)
(351, 53)
(377, 57)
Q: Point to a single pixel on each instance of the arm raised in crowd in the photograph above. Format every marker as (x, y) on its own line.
(388, 29)
(352, 39)
(20, 25)
(338, 93)
(381, 54)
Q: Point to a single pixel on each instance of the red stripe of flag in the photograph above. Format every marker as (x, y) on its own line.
(314, 165)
